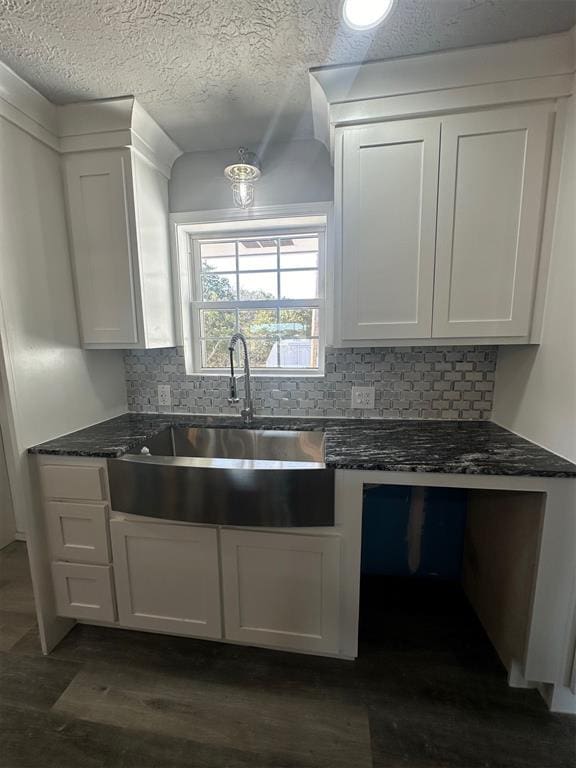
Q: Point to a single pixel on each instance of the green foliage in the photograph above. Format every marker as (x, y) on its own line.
(262, 327)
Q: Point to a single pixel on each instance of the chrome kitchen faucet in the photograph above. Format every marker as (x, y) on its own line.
(247, 412)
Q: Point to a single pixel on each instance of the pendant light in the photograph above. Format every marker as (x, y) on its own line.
(242, 177)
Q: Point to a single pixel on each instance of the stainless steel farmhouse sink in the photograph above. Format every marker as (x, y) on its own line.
(226, 476)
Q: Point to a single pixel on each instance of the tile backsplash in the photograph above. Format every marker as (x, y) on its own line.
(410, 383)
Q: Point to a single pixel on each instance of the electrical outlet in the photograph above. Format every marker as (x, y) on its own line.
(164, 395)
(363, 397)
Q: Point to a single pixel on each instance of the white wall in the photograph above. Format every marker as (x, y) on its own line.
(295, 172)
(7, 523)
(535, 392)
(52, 386)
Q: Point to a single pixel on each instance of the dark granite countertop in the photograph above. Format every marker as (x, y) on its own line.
(453, 447)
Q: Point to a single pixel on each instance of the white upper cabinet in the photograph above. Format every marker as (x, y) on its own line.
(102, 233)
(491, 193)
(388, 215)
(446, 169)
(440, 226)
(118, 220)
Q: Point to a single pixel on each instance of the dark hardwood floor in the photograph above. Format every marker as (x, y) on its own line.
(427, 691)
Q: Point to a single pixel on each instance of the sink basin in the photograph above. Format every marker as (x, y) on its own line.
(243, 444)
(226, 477)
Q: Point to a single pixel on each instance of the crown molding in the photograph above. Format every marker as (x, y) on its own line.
(121, 122)
(84, 126)
(523, 70)
(24, 106)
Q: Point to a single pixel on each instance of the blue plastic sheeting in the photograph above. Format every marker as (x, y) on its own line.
(385, 531)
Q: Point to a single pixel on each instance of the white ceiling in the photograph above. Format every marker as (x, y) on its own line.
(219, 73)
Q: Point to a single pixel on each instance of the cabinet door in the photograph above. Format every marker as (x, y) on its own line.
(491, 193)
(388, 206)
(281, 589)
(99, 203)
(167, 577)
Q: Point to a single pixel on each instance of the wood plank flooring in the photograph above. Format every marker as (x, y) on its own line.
(426, 692)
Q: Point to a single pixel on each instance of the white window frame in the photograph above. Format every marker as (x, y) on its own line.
(275, 221)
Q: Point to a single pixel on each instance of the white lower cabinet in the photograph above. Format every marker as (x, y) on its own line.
(167, 577)
(281, 589)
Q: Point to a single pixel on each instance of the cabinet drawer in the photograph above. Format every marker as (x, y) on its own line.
(83, 591)
(63, 481)
(78, 531)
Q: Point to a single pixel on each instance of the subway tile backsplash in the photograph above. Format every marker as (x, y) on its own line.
(410, 383)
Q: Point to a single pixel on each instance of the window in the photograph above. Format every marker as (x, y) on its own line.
(269, 285)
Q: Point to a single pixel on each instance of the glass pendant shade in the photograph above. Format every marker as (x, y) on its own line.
(243, 194)
(242, 177)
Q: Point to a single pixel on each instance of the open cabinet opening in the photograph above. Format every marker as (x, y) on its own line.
(449, 570)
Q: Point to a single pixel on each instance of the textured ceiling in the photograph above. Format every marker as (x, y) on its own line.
(218, 73)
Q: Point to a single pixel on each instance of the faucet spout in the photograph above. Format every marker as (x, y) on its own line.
(247, 412)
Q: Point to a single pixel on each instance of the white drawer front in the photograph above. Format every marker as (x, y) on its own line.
(78, 531)
(63, 481)
(84, 591)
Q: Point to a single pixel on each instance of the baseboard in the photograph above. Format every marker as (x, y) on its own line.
(559, 698)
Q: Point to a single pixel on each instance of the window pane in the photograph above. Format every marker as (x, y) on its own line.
(298, 323)
(260, 269)
(258, 322)
(298, 244)
(214, 248)
(261, 261)
(299, 353)
(217, 287)
(299, 252)
(258, 286)
(263, 352)
(299, 260)
(299, 285)
(223, 264)
(215, 353)
(217, 323)
(257, 247)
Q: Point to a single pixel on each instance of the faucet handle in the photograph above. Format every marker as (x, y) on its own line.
(233, 400)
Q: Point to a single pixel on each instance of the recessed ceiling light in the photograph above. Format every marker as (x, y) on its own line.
(365, 14)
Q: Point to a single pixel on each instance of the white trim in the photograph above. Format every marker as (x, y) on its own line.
(24, 106)
(433, 342)
(446, 81)
(101, 124)
(461, 67)
(119, 122)
(219, 216)
(559, 698)
(550, 202)
(430, 103)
